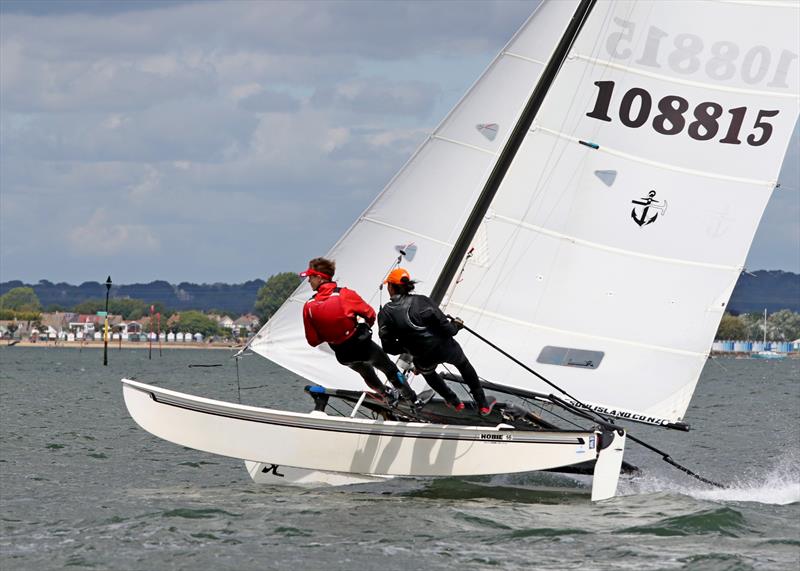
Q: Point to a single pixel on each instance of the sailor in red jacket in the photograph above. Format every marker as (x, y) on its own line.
(330, 316)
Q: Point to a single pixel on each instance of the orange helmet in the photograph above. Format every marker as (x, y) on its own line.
(396, 277)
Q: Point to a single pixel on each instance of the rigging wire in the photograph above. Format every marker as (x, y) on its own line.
(664, 456)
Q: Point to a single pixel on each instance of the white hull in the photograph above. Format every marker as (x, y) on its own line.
(770, 355)
(317, 441)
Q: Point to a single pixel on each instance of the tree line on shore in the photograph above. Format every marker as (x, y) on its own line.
(783, 325)
(22, 304)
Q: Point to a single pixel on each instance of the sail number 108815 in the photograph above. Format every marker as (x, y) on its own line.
(702, 123)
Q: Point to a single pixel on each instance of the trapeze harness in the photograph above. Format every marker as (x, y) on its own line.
(329, 318)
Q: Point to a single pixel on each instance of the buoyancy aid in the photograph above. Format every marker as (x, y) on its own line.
(396, 322)
(329, 317)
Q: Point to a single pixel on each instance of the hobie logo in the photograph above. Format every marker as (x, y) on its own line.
(493, 436)
(650, 210)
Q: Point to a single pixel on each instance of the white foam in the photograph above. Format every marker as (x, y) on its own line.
(778, 485)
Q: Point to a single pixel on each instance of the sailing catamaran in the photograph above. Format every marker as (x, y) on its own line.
(767, 353)
(588, 207)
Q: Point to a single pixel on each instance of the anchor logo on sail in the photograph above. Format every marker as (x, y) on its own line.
(643, 217)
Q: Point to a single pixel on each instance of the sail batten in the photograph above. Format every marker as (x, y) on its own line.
(463, 144)
(509, 319)
(405, 230)
(666, 166)
(522, 57)
(575, 240)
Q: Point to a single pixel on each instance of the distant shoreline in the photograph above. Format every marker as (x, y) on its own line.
(116, 345)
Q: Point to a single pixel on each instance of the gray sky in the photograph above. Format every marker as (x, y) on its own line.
(220, 142)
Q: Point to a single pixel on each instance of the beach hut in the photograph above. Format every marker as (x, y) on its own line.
(170, 337)
(198, 337)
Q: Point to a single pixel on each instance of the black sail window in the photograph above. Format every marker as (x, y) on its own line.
(569, 357)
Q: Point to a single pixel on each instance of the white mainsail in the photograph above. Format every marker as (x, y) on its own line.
(609, 253)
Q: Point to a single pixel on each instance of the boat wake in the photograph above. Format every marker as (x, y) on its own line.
(777, 485)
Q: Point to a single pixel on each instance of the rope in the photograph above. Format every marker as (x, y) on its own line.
(664, 456)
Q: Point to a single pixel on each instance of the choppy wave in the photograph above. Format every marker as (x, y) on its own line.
(725, 521)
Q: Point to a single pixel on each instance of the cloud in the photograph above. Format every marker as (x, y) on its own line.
(102, 235)
(191, 129)
(378, 95)
(202, 140)
(269, 101)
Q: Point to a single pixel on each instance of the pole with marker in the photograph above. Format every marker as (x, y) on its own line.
(150, 337)
(105, 326)
(158, 320)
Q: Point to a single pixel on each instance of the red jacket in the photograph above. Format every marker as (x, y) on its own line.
(330, 316)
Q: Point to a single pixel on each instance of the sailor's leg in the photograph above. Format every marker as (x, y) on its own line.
(368, 374)
(380, 360)
(437, 383)
(454, 355)
(353, 354)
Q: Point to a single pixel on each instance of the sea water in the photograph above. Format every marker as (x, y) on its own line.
(82, 486)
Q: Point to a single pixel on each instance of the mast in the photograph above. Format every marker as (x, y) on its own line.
(508, 153)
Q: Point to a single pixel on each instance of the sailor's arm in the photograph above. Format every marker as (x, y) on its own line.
(353, 305)
(311, 332)
(432, 317)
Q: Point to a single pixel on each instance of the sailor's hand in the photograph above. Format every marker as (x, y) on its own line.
(458, 322)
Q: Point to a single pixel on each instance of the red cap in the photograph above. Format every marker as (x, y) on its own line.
(311, 272)
(396, 277)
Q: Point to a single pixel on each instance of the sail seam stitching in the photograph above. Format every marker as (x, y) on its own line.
(598, 246)
(501, 317)
(412, 232)
(462, 144)
(667, 166)
(672, 79)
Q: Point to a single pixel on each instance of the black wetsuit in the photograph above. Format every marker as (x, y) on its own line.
(414, 324)
(363, 355)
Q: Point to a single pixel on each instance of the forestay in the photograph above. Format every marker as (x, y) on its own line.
(607, 264)
(609, 253)
(427, 201)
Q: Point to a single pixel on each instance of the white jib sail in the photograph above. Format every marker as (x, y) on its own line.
(610, 251)
(427, 202)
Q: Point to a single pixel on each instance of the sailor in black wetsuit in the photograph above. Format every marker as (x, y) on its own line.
(414, 324)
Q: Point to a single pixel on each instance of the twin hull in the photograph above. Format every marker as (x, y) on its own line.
(317, 441)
